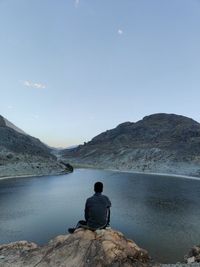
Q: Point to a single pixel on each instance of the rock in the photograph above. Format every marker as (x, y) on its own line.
(193, 255)
(84, 248)
(195, 251)
(191, 260)
(67, 166)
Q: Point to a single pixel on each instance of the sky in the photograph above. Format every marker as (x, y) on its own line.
(71, 69)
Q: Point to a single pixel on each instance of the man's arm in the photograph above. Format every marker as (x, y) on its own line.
(108, 202)
(86, 211)
(108, 218)
(108, 211)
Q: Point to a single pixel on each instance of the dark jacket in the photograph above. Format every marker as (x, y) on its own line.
(97, 209)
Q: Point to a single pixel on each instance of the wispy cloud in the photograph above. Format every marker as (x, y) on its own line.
(120, 31)
(34, 85)
(10, 107)
(76, 3)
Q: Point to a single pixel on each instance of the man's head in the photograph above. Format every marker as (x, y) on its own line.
(98, 187)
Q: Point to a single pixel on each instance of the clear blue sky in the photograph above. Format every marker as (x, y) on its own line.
(70, 69)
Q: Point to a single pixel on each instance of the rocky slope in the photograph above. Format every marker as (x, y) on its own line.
(84, 248)
(22, 154)
(161, 143)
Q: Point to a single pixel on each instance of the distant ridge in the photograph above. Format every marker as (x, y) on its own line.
(161, 143)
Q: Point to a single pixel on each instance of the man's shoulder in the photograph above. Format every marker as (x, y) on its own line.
(104, 196)
(100, 195)
(89, 198)
(107, 200)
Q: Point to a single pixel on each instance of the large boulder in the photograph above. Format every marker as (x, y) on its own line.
(83, 248)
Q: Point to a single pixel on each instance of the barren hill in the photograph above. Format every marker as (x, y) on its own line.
(162, 143)
(22, 154)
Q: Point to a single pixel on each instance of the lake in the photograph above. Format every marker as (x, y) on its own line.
(160, 213)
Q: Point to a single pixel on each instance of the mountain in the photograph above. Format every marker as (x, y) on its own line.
(5, 122)
(22, 154)
(161, 143)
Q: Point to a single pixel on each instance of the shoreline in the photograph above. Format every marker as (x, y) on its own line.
(138, 172)
(104, 169)
(161, 174)
(30, 175)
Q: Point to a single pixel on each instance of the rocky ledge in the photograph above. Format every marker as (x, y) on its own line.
(84, 248)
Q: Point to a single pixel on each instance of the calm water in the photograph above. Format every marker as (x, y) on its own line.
(161, 213)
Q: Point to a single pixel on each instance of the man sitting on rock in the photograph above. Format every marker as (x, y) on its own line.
(97, 211)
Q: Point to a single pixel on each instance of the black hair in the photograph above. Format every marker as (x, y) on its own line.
(98, 187)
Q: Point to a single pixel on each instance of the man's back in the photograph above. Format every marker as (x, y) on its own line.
(97, 210)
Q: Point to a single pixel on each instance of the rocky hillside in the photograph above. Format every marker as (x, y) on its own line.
(5, 122)
(22, 154)
(84, 248)
(161, 143)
